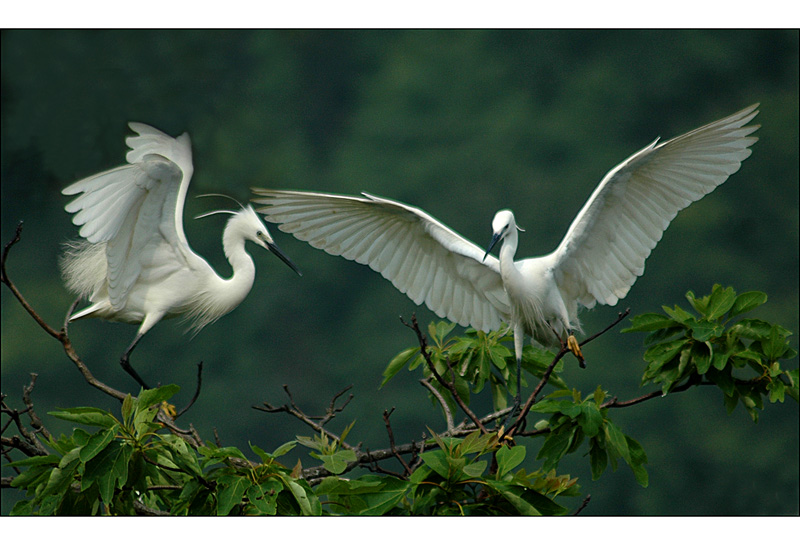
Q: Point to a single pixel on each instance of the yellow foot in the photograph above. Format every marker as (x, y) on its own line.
(169, 409)
(504, 438)
(572, 344)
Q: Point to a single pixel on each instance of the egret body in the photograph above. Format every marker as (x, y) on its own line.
(598, 260)
(134, 262)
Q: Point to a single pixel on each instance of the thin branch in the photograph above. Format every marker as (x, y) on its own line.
(315, 422)
(386, 415)
(613, 402)
(446, 408)
(583, 505)
(61, 335)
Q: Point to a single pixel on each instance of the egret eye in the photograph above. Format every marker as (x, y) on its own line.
(259, 234)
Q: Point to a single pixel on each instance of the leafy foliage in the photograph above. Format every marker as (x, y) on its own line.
(134, 464)
(712, 348)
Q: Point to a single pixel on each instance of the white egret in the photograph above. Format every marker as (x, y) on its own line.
(598, 260)
(135, 264)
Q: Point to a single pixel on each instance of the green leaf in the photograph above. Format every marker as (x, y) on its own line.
(661, 353)
(747, 301)
(637, 462)
(590, 419)
(699, 304)
(513, 494)
(555, 447)
(51, 460)
(759, 330)
(775, 344)
(264, 496)
(283, 449)
(86, 415)
(649, 322)
(155, 396)
(703, 330)
(337, 463)
(617, 441)
(509, 458)
(701, 355)
(721, 302)
(127, 408)
(231, 493)
(384, 496)
(598, 458)
(475, 469)
(33, 475)
(108, 469)
(792, 389)
(97, 442)
(310, 506)
(437, 461)
(397, 363)
(678, 314)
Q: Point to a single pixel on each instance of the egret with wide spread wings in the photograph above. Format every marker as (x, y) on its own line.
(598, 260)
(134, 263)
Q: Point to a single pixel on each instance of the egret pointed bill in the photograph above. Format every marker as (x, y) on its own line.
(277, 251)
(495, 238)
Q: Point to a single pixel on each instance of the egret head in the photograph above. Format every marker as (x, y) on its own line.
(503, 224)
(246, 225)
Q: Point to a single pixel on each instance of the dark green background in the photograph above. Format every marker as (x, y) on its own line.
(460, 123)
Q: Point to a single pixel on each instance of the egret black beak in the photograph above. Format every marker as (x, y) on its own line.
(495, 238)
(277, 251)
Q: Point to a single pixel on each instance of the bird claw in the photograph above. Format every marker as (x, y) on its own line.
(169, 410)
(574, 347)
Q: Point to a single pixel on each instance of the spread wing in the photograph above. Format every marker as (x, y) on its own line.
(136, 208)
(422, 257)
(605, 248)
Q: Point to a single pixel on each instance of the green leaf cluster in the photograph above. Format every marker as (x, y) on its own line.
(457, 478)
(574, 420)
(473, 360)
(132, 465)
(742, 357)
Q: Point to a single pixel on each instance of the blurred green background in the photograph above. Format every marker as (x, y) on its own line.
(459, 123)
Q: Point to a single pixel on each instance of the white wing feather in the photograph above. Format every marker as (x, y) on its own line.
(422, 257)
(136, 205)
(605, 248)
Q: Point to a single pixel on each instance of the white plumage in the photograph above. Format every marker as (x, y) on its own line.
(134, 263)
(598, 260)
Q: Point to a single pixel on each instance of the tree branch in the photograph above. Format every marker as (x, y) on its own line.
(315, 422)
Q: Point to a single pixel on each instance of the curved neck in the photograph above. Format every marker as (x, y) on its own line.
(507, 251)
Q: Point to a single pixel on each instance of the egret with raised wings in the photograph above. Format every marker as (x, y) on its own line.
(598, 260)
(134, 263)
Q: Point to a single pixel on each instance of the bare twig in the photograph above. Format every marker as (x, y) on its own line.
(583, 505)
(315, 422)
(61, 335)
(386, 415)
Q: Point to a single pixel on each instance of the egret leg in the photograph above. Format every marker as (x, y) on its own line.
(126, 364)
(519, 334)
